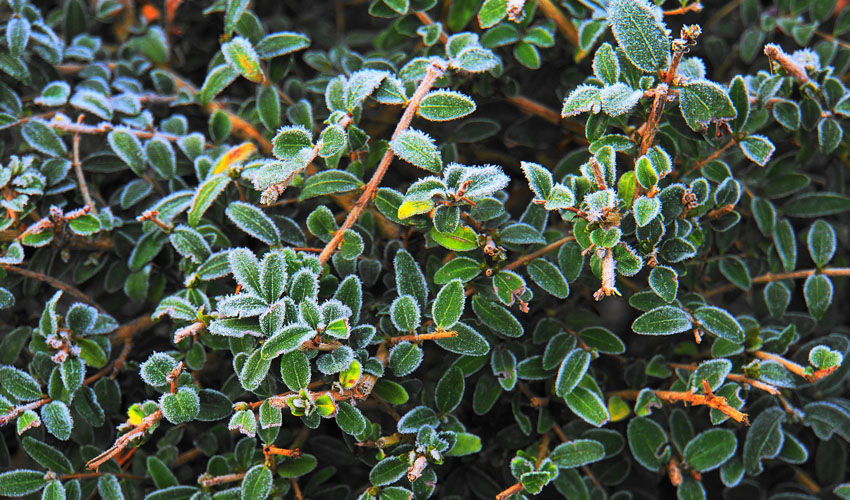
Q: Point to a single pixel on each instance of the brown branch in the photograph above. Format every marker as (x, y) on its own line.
(434, 71)
(208, 481)
(793, 367)
(421, 337)
(708, 399)
(529, 106)
(125, 332)
(694, 7)
(8, 417)
(538, 253)
(78, 167)
(515, 488)
(766, 278)
(776, 54)
(55, 283)
(773, 391)
(92, 475)
(125, 440)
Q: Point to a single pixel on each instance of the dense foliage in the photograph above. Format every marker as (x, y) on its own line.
(328, 250)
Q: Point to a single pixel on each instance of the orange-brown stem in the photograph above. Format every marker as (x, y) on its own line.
(421, 337)
(434, 71)
(565, 26)
(515, 488)
(55, 283)
(539, 253)
(766, 278)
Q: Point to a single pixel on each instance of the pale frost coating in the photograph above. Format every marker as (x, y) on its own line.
(606, 66)
(757, 148)
(417, 148)
(583, 98)
(639, 29)
(361, 85)
(702, 101)
(93, 102)
(645, 210)
(445, 105)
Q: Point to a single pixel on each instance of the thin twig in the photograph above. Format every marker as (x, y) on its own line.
(766, 278)
(434, 71)
(55, 283)
(78, 167)
(538, 253)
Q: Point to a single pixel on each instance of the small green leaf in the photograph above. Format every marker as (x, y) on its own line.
(43, 138)
(19, 384)
(449, 304)
(577, 453)
(664, 281)
(703, 101)
(646, 439)
(21, 482)
(253, 221)
(388, 471)
(717, 321)
(329, 182)
(449, 390)
(664, 320)
(571, 371)
(759, 435)
(126, 145)
(549, 278)
(821, 242)
(757, 148)
(257, 483)
(818, 294)
(182, 406)
(588, 406)
(445, 105)
(462, 239)
(419, 149)
(281, 43)
(204, 197)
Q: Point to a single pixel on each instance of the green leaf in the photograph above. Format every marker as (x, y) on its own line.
(646, 441)
(549, 278)
(492, 11)
(703, 101)
(361, 85)
(496, 317)
(445, 105)
(664, 320)
(643, 39)
(664, 281)
(281, 43)
(405, 314)
(53, 491)
(268, 107)
(741, 100)
(43, 138)
(19, 384)
(734, 270)
(710, 449)
(606, 66)
(571, 371)
(290, 142)
(449, 390)
(287, 340)
(46, 456)
(577, 453)
(417, 418)
(295, 370)
(539, 179)
(388, 471)
(349, 419)
(419, 149)
(717, 321)
(449, 304)
(254, 370)
(603, 340)
(204, 197)
(756, 444)
(240, 54)
(404, 358)
(588, 406)
(391, 392)
(54, 94)
(462, 239)
(713, 371)
(645, 209)
(126, 145)
(257, 483)
(467, 341)
(776, 298)
(817, 204)
(109, 488)
(329, 182)
(18, 483)
(460, 268)
(584, 98)
(830, 134)
(253, 221)
(786, 244)
(218, 79)
(182, 406)
(821, 242)
(160, 473)
(757, 148)
(57, 419)
(818, 294)
(332, 141)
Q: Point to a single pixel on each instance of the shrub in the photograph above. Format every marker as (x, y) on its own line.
(279, 259)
